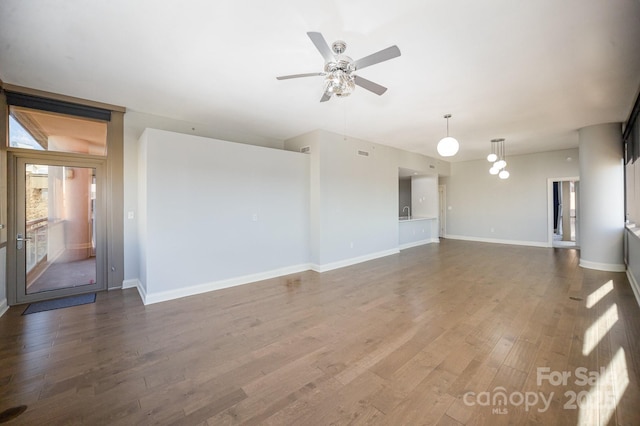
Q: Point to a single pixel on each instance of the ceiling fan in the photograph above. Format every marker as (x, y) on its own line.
(339, 77)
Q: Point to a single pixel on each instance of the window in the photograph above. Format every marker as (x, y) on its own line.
(52, 131)
(632, 166)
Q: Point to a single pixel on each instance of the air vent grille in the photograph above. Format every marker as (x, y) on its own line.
(363, 153)
(305, 149)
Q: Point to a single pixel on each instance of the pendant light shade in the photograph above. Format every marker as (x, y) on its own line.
(501, 164)
(448, 146)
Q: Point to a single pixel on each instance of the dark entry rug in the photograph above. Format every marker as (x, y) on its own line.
(66, 302)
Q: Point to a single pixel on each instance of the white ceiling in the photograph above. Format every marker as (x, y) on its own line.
(530, 71)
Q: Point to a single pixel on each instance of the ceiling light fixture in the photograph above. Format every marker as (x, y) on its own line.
(448, 146)
(497, 157)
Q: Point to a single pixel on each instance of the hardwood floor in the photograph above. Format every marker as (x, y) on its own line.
(434, 335)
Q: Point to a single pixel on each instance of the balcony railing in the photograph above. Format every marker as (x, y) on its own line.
(37, 230)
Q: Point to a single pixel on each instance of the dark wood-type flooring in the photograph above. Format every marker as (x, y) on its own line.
(439, 334)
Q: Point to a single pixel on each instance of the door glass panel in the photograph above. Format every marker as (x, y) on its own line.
(60, 227)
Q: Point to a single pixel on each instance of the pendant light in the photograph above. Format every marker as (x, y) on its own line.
(448, 146)
(497, 157)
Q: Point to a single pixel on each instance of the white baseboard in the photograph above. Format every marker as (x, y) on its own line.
(418, 243)
(4, 307)
(163, 296)
(498, 241)
(131, 283)
(634, 285)
(608, 267)
(352, 261)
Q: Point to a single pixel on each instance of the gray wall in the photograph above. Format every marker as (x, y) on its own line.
(404, 195)
(484, 207)
(214, 211)
(354, 199)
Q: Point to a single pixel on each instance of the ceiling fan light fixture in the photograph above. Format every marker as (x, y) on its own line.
(339, 77)
(448, 146)
(340, 83)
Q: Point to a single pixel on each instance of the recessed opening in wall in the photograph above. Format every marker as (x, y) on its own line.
(564, 229)
(417, 194)
(417, 207)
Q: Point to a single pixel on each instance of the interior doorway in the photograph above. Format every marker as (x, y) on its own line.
(563, 219)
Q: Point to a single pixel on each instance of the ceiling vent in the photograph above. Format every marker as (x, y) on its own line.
(363, 153)
(305, 149)
(431, 166)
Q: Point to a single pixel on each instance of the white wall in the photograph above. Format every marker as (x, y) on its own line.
(424, 196)
(218, 213)
(601, 197)
(358, 197)
(134, 124)
(416, 232)
(350, 209)
(3, 280)
(354, 199)
(142, 213)
(632, 253)
(486, 208)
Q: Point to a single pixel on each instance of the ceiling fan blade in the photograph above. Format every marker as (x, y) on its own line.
(325, 97)
(381, 56)
(322, 46)
(369, 85)
(310, 74)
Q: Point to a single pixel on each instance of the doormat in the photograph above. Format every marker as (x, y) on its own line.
(49, 305)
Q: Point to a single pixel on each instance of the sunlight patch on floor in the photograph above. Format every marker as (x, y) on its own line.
(599, 405)
(599, 294)
(596, 331)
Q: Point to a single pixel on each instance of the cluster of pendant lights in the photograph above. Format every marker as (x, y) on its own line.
(448, 147)
(497, 157)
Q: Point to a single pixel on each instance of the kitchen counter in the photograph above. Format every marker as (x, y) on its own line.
(414, 218)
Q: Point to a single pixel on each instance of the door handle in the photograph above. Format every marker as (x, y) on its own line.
(20, 241)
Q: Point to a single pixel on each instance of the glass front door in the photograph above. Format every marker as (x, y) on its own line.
(57, 249)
